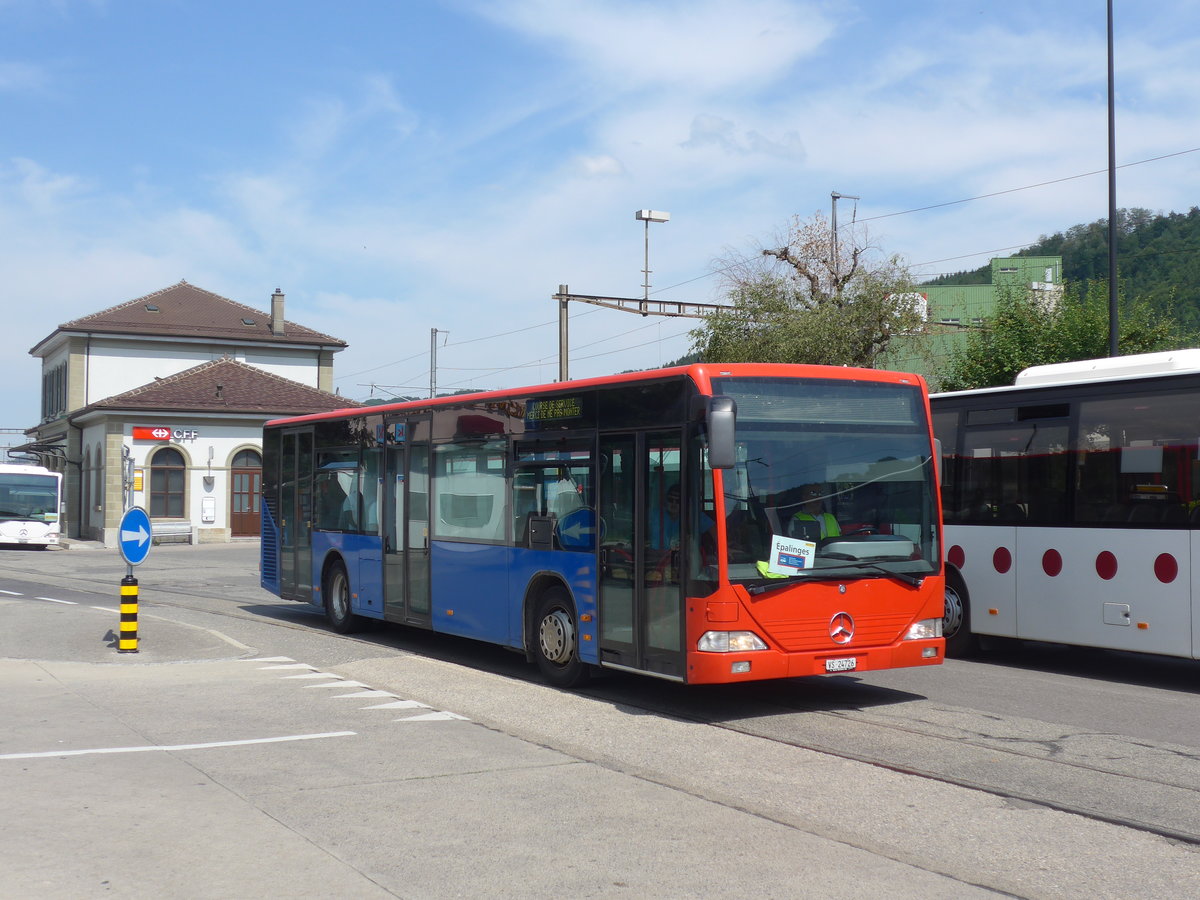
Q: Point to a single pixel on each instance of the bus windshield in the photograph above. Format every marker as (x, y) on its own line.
(834, 479)
(31, 498)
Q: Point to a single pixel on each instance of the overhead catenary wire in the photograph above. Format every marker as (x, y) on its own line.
(940, 205)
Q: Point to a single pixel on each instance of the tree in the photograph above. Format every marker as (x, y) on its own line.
(801, 302)
(1026, 331)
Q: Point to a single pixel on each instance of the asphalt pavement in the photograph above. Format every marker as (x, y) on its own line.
(215, 765)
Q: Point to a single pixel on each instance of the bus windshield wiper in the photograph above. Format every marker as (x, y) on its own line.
(763, 587)
(834, 573)
(905, 577)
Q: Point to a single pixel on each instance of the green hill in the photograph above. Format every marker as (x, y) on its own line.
(1158, 258)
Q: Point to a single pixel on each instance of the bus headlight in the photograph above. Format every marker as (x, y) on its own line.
(924, 630)
(733, 641)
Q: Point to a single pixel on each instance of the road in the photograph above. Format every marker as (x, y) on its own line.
(1032, 772)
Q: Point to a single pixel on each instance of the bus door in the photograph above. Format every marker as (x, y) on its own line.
(406, 524)
(295, 515)
(641, 592)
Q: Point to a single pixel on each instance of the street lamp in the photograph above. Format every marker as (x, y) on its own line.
(648, 216)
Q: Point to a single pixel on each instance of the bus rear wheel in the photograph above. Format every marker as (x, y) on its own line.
(555, 640)
(337, 600)
(956, 620)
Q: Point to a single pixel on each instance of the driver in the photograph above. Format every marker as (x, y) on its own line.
(812, 517)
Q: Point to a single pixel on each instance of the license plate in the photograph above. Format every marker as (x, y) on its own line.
(847, 664)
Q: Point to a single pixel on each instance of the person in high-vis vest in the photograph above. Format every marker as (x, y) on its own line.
(812, 521)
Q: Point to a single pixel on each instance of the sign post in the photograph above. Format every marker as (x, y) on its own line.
(135, 543)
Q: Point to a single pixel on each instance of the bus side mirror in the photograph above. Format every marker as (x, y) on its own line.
(722, 450)
(937, 456)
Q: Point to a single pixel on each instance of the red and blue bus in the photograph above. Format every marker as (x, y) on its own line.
(648, 522)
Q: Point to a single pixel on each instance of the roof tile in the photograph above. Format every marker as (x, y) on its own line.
(184, 310)
(226, 385)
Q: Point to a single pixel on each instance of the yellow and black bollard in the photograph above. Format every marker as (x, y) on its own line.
(127, 640)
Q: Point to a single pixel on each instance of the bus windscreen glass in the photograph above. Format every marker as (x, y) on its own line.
(29, 498)
(833, 479)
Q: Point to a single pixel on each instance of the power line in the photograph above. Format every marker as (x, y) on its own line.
(1027, 187)
(548, 360)
(489, 337)
(905, 212)
(932, 206)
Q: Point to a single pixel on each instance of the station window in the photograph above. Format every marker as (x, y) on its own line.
(167, 469)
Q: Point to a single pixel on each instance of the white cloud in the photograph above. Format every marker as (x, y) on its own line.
(600, 166)
(722, 133)
(698, 45)
(385, 205)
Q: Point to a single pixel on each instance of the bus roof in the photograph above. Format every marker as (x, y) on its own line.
(25, 469)
(1109, 368)
(700, 373)
(1165, 363)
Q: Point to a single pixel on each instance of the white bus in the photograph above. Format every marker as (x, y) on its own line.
(30, 501)
(1072, 506)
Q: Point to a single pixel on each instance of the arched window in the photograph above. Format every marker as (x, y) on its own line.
(247, 459)
(98, 461)
(245, 497)
(86, 493)
(167, 470)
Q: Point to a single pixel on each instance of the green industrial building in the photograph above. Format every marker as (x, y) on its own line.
(950, 311)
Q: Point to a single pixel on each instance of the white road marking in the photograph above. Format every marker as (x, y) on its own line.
(53, 600)
(435, 717)
(394, 702)
(12, 593)
(313, 675)
(108, 609)
(292, 666)
(275, 740)
(400, 704)
(335, 684)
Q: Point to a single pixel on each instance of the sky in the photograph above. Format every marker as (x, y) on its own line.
(399, 166)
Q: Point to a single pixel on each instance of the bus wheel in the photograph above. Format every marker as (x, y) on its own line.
(337, 600)
(554, 640)
(956, 621)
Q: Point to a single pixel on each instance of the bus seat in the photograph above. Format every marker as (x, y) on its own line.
(1174, 515)
(565, 502)
(1144, 512)
(1011, 512)
(1116, 512)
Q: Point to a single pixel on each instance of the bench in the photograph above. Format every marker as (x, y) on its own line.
(172, 532)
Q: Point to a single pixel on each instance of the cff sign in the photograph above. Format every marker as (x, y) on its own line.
(163, 433)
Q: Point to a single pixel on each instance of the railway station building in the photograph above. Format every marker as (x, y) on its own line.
(159, 402)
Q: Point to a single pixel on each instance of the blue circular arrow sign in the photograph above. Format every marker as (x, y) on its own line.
(135, 534)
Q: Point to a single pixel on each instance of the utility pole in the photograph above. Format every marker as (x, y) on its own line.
(562, 332)
(834, 198)
(433, 333)
(1113, 324)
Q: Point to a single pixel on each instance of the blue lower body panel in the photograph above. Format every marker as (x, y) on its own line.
(479, 591)
(363, 556)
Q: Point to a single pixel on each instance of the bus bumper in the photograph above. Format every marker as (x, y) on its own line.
(724, 668)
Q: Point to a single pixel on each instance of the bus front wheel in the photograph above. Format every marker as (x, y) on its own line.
(555, 642)
(956, 620)
(337, 600)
